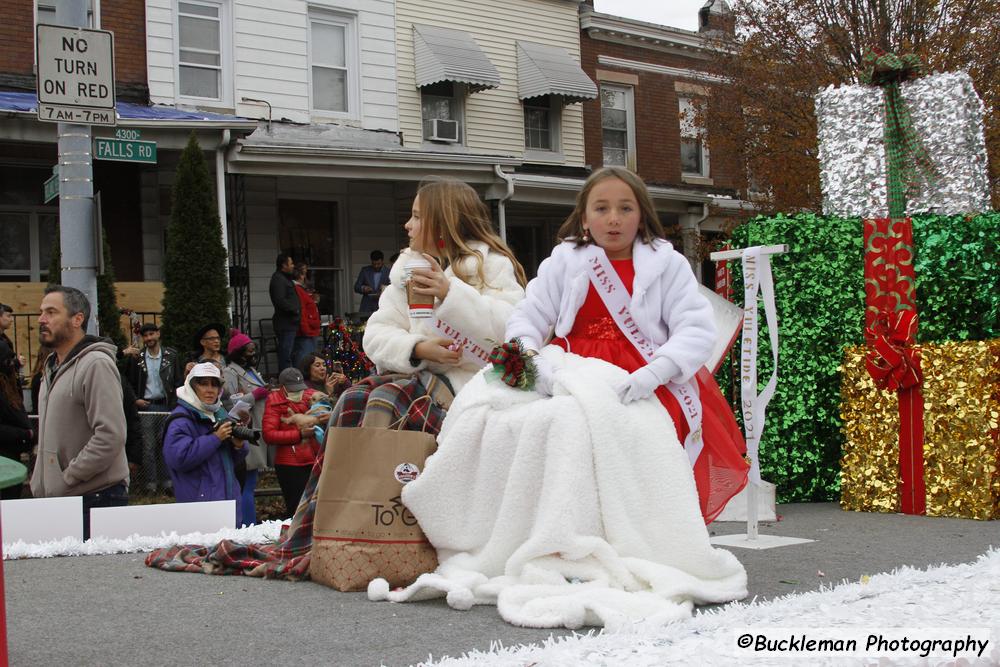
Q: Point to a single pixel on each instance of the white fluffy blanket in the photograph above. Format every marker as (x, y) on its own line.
(567, 511)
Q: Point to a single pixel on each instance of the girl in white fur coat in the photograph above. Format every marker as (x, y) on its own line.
(473, 296)
(615, 214)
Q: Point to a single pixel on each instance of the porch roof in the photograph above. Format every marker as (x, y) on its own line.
(137, 115)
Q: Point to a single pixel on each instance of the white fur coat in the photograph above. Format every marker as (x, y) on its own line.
(666, 304)
(391, 335)
(566, 511)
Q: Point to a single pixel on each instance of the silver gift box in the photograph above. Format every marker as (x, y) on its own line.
(947, 114)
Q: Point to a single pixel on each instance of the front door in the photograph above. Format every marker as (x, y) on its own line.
(309, 231)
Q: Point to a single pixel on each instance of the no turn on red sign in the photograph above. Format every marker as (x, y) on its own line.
(76, 75)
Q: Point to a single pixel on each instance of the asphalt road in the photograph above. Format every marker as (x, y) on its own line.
(102, 610)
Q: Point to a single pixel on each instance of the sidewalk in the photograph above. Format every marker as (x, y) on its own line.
(103, 610)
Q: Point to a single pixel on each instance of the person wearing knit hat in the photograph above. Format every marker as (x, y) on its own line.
(243, 382)
(198, 446)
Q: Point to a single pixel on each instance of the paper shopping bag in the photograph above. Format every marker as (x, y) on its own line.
(361, 530)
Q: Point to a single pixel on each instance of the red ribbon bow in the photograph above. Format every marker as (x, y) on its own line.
(508, 357)
(893, 363)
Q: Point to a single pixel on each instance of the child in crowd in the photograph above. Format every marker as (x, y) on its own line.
(318, 414)
(575, 503)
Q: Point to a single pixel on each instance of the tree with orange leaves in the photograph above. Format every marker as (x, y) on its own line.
(784, 51)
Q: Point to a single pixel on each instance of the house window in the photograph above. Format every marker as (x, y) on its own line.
(694, 154)
(332, 62)
(45, 12)
(200, 50)
(541, 123)
(26, 239)
(618, 125)
(441, 112)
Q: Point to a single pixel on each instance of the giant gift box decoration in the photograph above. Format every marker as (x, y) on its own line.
(903, 144)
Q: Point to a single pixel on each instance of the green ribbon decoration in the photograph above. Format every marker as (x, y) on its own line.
(907, 161)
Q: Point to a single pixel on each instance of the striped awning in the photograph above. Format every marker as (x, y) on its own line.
(549, 70)
(443, 54)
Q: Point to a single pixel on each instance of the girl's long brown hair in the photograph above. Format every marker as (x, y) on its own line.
(10, 386)
(650, 226)
(452, 212)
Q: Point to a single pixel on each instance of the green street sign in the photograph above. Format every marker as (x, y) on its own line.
(125, 151)
(51, 186)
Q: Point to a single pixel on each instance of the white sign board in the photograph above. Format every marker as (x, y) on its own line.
(76, 75)
(152, 520)
(34, 520)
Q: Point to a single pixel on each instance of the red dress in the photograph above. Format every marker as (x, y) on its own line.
(721, 469)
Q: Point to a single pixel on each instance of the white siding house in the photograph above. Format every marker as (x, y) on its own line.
(352, 103)
(211, 54)
(493, 118)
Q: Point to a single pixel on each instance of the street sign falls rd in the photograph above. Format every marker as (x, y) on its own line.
(125, 147)
(76, 75)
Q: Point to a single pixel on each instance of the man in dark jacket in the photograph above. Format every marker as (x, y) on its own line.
(156, 392)
(371, 281)
(287, 309)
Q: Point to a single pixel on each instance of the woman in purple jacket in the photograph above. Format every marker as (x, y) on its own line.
(198, 446)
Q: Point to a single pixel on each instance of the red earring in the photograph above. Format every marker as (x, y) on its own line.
(441, 244)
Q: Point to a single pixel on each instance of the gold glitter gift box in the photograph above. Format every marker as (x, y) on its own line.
(961, 448)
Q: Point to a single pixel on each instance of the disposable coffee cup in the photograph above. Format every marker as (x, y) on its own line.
(421, 305)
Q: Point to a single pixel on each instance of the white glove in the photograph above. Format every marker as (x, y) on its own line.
(638, 385)
(644, 381)
(543, 375)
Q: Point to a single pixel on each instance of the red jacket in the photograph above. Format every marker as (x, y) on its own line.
(291, 449)
(309, 322)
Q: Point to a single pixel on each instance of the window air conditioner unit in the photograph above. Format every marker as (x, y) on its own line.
(440, 129)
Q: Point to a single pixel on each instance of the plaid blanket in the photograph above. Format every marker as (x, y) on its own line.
(412, 402)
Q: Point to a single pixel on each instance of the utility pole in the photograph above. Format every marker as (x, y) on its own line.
(77, 236)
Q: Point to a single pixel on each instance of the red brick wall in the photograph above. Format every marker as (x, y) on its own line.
(657, 122)
(126, 18)
(17, 38)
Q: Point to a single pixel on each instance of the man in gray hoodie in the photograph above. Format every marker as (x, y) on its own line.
(81, 423)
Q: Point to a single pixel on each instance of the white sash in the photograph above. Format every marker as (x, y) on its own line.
(616, 299)
(756, 277)
(473, 350)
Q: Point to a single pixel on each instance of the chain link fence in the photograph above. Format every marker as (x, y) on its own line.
(150, 480)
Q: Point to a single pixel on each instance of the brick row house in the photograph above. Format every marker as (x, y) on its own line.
(131, 208)
(650, 79)
(321, 117)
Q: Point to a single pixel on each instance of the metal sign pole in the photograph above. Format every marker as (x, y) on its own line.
(76, 191)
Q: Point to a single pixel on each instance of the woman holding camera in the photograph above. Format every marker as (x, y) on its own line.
(198, 443)
(292, 433)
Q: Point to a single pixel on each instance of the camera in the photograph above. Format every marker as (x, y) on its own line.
(240, 432)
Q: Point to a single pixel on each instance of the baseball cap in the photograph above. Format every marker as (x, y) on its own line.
(291, 379)
(205, 370)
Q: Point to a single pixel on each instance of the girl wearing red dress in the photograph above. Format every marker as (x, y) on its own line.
(614, 212)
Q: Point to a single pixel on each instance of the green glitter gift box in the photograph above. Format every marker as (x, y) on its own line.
(819, 288)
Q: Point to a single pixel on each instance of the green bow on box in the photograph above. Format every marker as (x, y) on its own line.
(907, 161)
